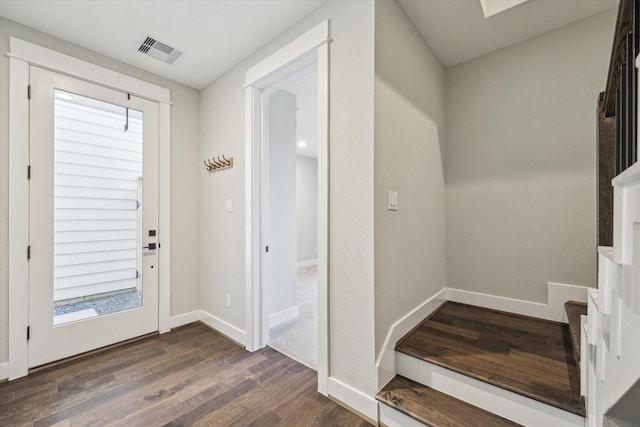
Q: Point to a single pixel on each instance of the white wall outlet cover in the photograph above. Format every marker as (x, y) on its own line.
(228, 301)
(229, 205)
(393, 201)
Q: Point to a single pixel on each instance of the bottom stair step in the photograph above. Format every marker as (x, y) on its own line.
(434, 408)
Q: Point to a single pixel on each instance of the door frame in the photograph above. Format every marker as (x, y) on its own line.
(22, 55)
(258, 78)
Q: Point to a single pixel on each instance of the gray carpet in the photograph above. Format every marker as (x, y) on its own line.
(298, 339)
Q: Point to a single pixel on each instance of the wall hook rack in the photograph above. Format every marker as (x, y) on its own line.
(217, 164)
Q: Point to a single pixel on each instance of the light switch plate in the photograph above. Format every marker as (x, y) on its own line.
(229, 206)
(393, 201)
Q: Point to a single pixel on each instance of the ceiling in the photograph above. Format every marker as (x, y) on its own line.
(457, 30)
(217, 34)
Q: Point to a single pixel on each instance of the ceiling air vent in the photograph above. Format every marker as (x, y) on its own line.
(158, 50)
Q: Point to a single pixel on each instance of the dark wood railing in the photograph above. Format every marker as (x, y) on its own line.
(618, 114)
(620, 97)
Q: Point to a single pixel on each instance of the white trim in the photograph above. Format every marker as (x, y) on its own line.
(391, 417)
(584, 361)
(184, 319)
(316, 38)
(21, 55)
(386, 362)
(235, 334)
(226, 329)
(164, 217)
(353, 398)
(4, 371)
(507, 404)
(253, 245)
(285, 315)
(18, 218)
(294, 50)
(629, 176)
(553, 309)
(323, 217)
(61, 63)
(307, 263)
(263, 211)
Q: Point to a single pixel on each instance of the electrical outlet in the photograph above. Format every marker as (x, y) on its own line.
(229, 205)
(228, 300)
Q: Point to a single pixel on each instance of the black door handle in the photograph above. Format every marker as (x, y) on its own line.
(151, 247)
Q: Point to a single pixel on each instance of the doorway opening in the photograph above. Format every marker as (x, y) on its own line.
(308, 55)
(291, 215)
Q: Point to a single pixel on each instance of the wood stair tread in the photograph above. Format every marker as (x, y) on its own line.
(434, 408)
(574, 311)
(525, 355)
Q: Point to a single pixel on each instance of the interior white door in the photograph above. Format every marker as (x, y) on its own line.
(93, 268)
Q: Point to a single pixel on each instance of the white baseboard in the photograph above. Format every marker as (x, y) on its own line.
(4, 371)
(285, 315)
(354, 399)
(507, 404)
(307, 263)
(386, 360)
(227, 329)
(553, 309)
(184, 319)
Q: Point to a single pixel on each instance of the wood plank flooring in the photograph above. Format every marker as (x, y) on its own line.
(528, 356)
(189, 376)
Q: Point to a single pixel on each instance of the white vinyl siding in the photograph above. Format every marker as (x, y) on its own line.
(97, 182)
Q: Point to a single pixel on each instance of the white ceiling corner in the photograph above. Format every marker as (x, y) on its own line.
(457, 31)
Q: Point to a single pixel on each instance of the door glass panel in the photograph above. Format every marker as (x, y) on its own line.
(97, 262)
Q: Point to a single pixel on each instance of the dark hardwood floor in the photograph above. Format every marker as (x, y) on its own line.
(528, 356)
(189, 376)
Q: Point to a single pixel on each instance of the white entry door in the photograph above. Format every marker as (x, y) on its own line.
(93, 268)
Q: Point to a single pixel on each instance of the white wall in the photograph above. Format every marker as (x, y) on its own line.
(307, 207)
(521, 162)
(184, 171)
(351, 311)
(409, 127)
(282, 269)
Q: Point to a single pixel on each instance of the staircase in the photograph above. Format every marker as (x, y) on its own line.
(471, 366)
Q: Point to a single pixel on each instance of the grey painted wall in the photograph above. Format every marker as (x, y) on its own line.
(520, 162)
(351, 311)
(307, 207)
(282, 269)
(184, 171)
(409, 133)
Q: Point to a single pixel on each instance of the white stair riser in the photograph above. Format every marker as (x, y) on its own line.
(391, 417)
(509, 405)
